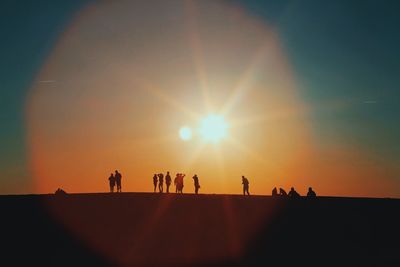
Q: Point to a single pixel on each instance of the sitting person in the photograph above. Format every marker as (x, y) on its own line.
(293, 193)
(311, 193)
(274, 192)
(282, 192)
(60, 192)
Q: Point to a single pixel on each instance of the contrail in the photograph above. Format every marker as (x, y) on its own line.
(47, 81)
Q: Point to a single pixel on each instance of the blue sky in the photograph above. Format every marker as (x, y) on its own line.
(345, 52)
(29, 30)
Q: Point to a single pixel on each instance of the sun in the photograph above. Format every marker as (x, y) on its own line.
(213, 128)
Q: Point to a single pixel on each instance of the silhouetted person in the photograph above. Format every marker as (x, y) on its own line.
(168, 181)
(311, 193)
(292, 193)
(155, 180)
(160, 182)
(111, 180)
(179, 182)
(274, 192)
(118, 178)
(282, 192)
(60, 192)
(245, 183)
(176, 182)
(196, 184)
(181, 176)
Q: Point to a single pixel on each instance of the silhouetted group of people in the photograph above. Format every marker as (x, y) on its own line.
(178, 182)
(158, 179)
(292, 193)
(158, 182)
(115, 179)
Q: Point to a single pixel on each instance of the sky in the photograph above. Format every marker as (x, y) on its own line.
(308, 89)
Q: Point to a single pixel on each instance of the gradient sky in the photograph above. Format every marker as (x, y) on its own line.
(326, 81)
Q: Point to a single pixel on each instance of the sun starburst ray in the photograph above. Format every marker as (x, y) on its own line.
(275, 115)
(161, 95)
(197, 53)
(245, 80)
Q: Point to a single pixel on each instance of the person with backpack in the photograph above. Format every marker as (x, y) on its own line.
(196, 184)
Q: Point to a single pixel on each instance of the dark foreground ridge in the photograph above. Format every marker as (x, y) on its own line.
(143, 229)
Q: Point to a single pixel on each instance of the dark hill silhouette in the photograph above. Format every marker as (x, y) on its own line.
(142, 229)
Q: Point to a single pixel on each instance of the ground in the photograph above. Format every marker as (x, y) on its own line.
(146, 229)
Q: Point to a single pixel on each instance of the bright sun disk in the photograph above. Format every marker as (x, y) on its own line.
(213, 128)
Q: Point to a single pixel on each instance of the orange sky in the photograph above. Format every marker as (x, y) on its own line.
(121, 83)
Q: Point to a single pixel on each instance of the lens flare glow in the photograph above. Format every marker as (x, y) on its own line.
(213, 128)
(185, 133)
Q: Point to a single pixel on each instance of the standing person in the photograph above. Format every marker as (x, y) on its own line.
(176, 182)
(196, 184)
(118, 178)
(155, 180)
(111, 180)
(161, 182)
(168, 181)
(245, 184)
(179, 182)
(181, 176)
